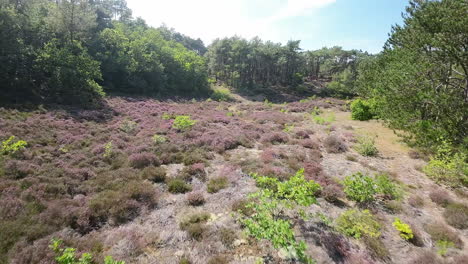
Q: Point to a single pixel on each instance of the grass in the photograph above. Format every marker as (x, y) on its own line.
(216, 184)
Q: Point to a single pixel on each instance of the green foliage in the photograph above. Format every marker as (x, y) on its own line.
(178, 186)
(71, 73)
(216, 184)
(360, 187)
(297, 189)
(10, 147)
(366, 146)
(108, 150)
(443, 246)
(159, 139)
(363, 188)
(265, 223)
(221, 95)
(363, 109)
(423, 90)
(183, 123)
(68, 256)
(128, 126)
(288, 128)
(322, 120)
(357, 223)
(405, 230)
(449, 170)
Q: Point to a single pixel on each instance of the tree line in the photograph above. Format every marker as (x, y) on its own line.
(254, 64)
(74, 51)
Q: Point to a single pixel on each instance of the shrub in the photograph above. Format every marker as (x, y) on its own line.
(159, 139)
(309, 143)
(141, 160)
(366, 146)
(67, 255)
(221, 95)
(195, 198)
(183, 123)
(10, 147)
(416, 201)
(440, 197)
(194, 224)
(337, 247)
(216, 184)
(184, 260)
(194, 170)
(275, 138)
(405, 230)
(108, 150)
(333, 144)
(227, 236)
(154, 174)
(376, 247)
(441, 232)
(242, 207)
(128, 126)
(442, 246)
(357, 223)
(363, 109)
(386, 187)
(449, 170)
(394, 206)
(456, 215)
(332, 193)
(359, 187)
(178, 186)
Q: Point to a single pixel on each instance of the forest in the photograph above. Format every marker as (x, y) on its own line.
(123, 142)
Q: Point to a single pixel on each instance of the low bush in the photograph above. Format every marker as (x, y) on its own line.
(178, 186)
(456, 215)
(195, 198)
(386, 187)
(363, 109)
(159, 139)
(336, 245)
(275, 138)
(221, 95)
(441, 232)
(141, 160)
(357, 223)
(216, 184)
(183, 123)
(10, 146)
(440, 197)
(128, 126)
(376, 247)
(195, 170)
(416, 201)
(227, 236)
(194, 224)
(366, 146)
(405, 230)
(426, 257)
(360, 188)
(451, 170)
(333, 144)
(241, 206)
(154, 174)
(68, 255)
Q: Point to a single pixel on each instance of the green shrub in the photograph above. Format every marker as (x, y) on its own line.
(451, 170)
(10, 147)
(386, 187)
(221, 95)
(441, 232)
(68, 256)
(183, 123)
(443, 246)
(128, 126)
(194, 224)
(216, 184)
(359, 187)
(405, 230)
(178, 186)
(154, 174)
(158, 139)
(456, 215)
(357, 223)
(363, 109)
(366, 146)
(108, 150)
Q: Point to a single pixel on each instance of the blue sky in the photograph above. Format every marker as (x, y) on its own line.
(352, 24)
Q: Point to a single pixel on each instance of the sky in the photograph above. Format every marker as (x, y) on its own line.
(352, 24)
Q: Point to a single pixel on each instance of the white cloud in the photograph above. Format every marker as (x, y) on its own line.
(210, 19)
